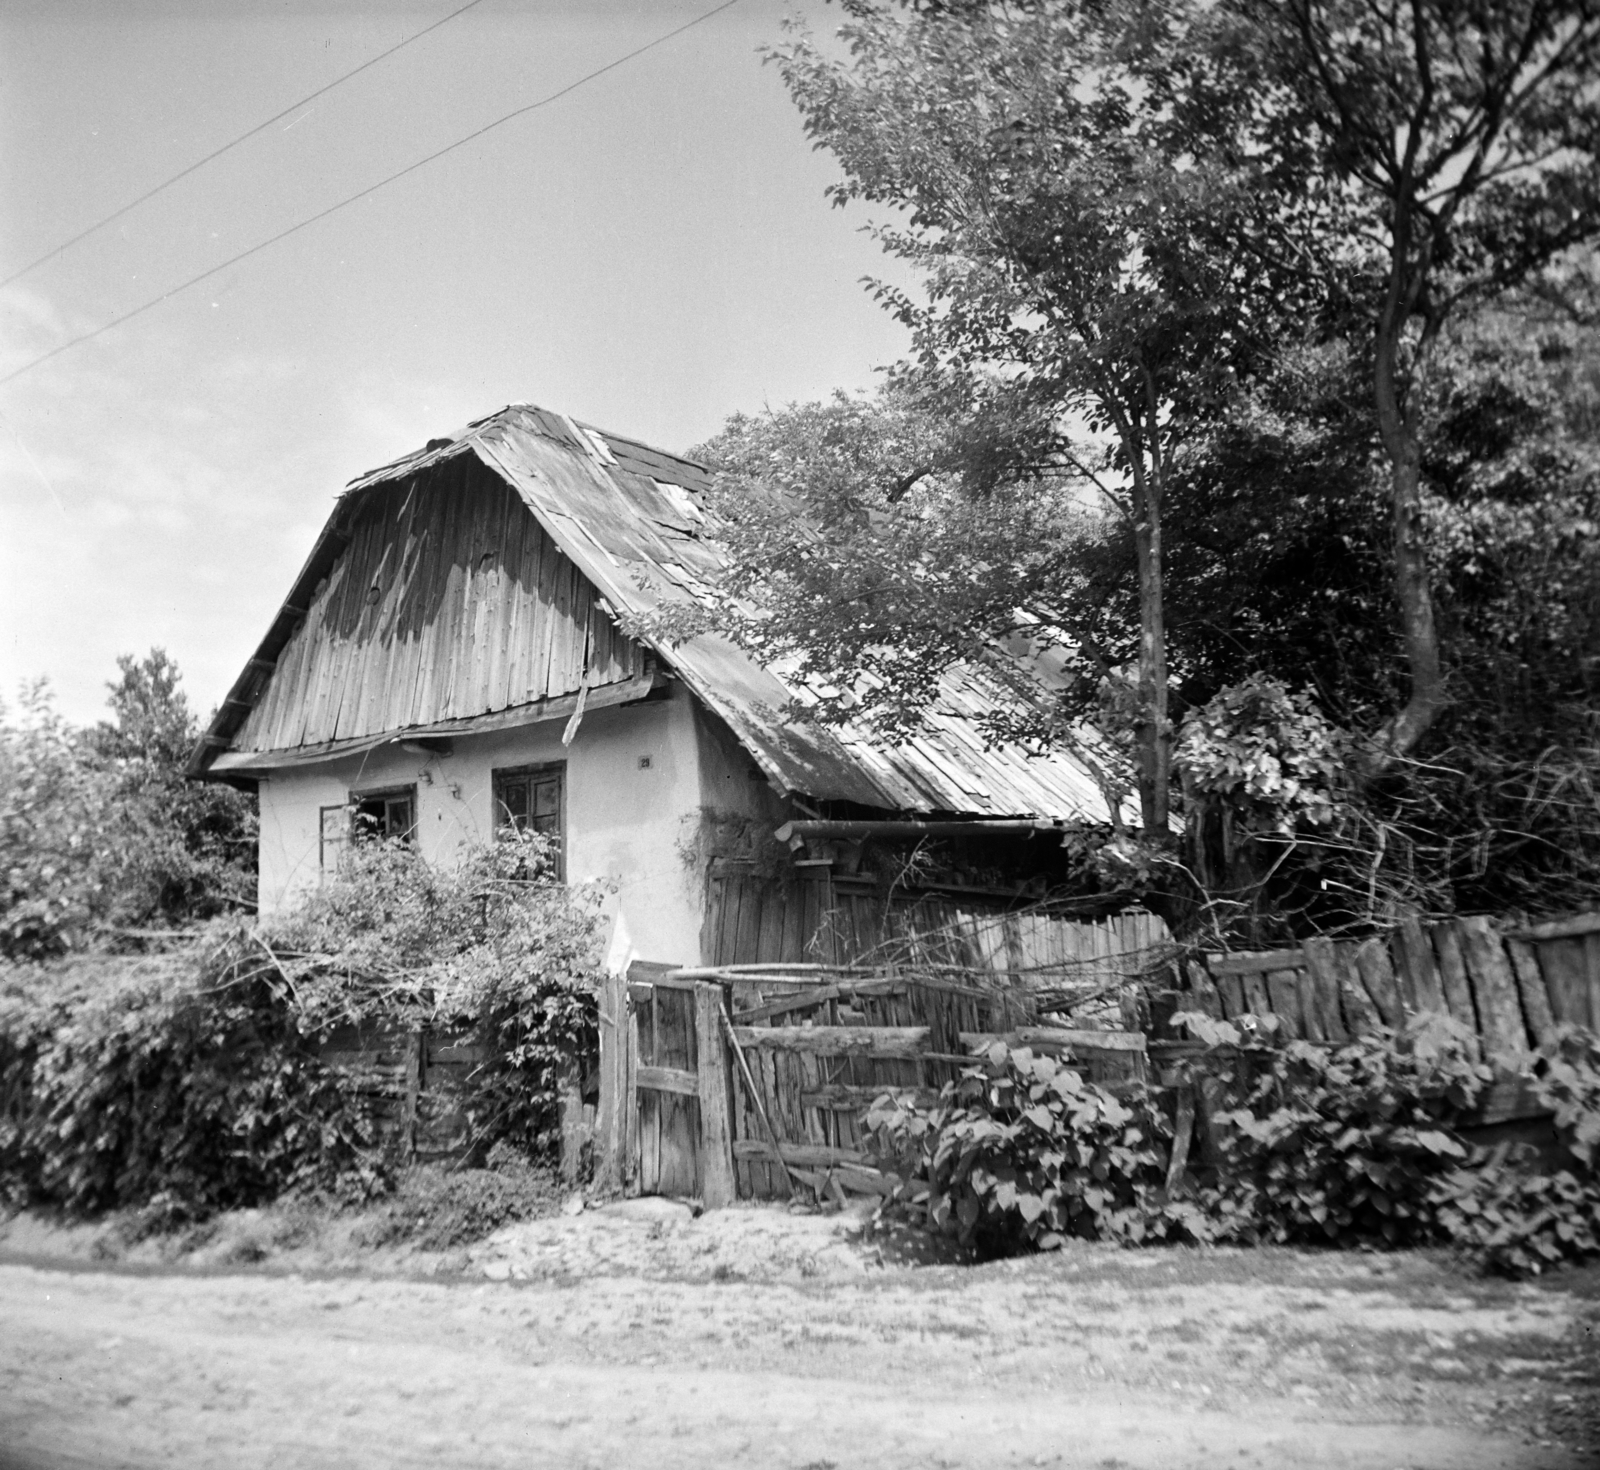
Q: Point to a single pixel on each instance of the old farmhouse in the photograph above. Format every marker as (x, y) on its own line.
(450, 661)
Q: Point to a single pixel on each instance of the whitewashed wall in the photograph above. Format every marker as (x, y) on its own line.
(624, 823)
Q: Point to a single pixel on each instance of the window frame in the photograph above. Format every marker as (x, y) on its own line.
(500, 812)
(385, 794)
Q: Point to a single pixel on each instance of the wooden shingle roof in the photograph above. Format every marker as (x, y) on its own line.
(625, 516)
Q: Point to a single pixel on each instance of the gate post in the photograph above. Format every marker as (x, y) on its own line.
(615, 1102)
(717, 1186)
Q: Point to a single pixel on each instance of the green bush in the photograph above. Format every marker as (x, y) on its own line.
(492, 945)
(1020, 1152)
(1340, 1144)
(191, 1082)
(1506, 1206)
(147, 1082)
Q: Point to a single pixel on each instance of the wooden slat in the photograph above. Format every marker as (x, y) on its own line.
(1257, 998)
(1494, 988)
(788, 1005)
(1284, 994)
(1591, 964)
(717, 1184)
(1323, 968)
(1256, 964)
(1310, 1011)
(1039, 1036)
(1567, 981)
(1414, 958)
(1377, 977)
(667, 1079)
(1531, 990)
(803, 1155)
(1573, 928)
(841, 1097)
(874, 1041)
(1231, 989)
(1453, 975)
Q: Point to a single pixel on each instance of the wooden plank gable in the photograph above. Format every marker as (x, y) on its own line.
(448, 602)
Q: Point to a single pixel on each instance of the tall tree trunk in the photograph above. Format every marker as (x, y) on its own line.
(1154, 734)
(1413, 589)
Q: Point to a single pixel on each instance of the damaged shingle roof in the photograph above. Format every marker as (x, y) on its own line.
(627, 516)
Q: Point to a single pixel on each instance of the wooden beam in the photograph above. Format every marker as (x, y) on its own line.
(802, 1155)
(1052, 1036)
(871, 1041)
(1256, 964)
(1560, 928)
(667, 1079)
(787, 1004)
(839, 1097)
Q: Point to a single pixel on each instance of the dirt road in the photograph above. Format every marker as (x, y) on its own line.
(1161, 1359)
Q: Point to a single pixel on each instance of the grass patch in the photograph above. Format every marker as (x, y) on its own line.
(438, 1209)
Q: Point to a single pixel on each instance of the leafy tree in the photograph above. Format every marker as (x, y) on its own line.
(1463, 142)
(99, 829)
(1078, 247)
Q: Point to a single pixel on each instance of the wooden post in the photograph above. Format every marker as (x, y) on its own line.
(572, 1130)
(613, 1068)
(408, 1116)
(716, 1129)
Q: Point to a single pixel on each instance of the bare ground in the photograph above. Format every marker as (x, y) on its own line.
(637, 1335)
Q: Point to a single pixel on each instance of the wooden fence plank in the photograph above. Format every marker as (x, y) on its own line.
(1453, 975)
(1256, 964)
(1284, 994)
(1203, 992)
(1322, 965)
(803, 1155)
(1377, 976)
(1574, 928)
(1231, 989)
(1530, 986)
(1258, 1002)
(717, 1184)
(1037, 1036)
(875, 1041)
(1591, 963)
(1310, 1010)
(1566, 980)
(1493, 987)
(843, 1097)
(666, 1079)
(1418, 968)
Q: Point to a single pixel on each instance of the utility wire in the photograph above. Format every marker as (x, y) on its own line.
(228, 147)
(322, 214)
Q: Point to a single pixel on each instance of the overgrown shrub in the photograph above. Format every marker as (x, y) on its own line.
(1022, 1152)
(1346, 1145)
(189, 1082)
(1341, 1143)
(150, 1082)
(1507, 1206)
(492, 944)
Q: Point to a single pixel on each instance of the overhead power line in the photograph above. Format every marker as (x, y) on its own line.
(216, 153)
(322, 214)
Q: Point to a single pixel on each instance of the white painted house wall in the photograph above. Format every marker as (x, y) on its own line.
(625, 824)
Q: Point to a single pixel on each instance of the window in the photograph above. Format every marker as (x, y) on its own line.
(379, 815)
(367, 816)
(533, 799)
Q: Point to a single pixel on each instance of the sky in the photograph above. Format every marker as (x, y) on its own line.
(650, 253)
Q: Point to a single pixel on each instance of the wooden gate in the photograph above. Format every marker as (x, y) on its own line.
(664, 1087)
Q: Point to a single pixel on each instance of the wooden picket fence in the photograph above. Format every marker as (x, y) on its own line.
(1511, 986)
